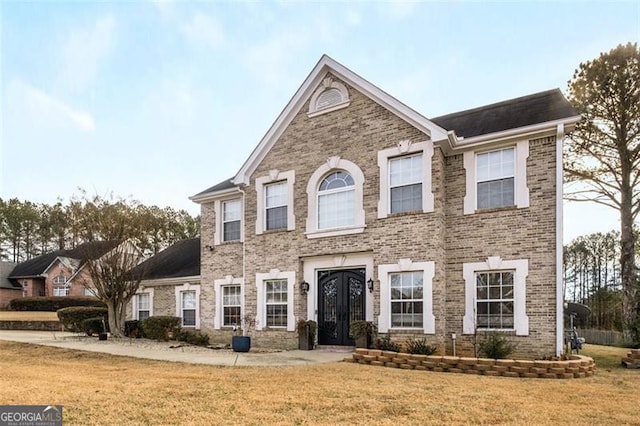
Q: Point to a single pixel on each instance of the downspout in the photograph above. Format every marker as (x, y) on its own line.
(559, 241)
(244, 263)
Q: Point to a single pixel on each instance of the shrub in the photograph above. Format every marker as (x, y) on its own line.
(497, 346)
(386, 344)
(192, 337)
(133, 328)
(53, 303)
(93, 326)
(420, 346)
(72, 317)
(160, 327)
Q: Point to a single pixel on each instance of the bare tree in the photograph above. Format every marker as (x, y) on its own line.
(604, 154)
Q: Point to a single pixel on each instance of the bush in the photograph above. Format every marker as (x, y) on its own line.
(420, 346)
(72, 317)
(192, 337)
(386, 344)
(95, 325)
(133, 328)
(160, 327)
(53, 303)
(497, 346)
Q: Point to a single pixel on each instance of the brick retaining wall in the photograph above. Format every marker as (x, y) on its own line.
(576, 367)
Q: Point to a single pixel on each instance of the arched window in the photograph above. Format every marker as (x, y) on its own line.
(336, 201)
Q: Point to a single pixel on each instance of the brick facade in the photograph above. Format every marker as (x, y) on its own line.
(445, 236)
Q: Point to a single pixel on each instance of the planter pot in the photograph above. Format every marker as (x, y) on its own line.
(305, 342)
(363, 341)
(241, 343)
(102, 336)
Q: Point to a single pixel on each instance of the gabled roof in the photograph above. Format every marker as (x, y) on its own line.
(220, 187)
(38, 265)
(310, 84)
(180, 260)
(524, 111)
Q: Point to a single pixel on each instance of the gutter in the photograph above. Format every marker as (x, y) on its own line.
(560, 134)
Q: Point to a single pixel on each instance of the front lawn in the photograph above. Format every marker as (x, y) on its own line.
(103, 389)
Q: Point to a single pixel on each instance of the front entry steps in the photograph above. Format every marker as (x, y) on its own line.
(336, 348)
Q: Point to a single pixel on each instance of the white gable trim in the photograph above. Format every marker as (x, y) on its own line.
(310, 84)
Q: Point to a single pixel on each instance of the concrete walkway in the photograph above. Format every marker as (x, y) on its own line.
(148, 349)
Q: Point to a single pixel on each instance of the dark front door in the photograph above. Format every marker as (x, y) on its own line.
(341, 299)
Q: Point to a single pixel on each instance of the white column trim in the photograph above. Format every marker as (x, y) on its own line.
(559, 241)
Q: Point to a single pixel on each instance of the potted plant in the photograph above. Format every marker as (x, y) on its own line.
(363, 331)
(241, 341)
(306, 334)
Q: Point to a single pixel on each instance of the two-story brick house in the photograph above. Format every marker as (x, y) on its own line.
(354, 206)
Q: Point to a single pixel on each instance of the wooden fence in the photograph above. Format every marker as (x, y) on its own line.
(601, 337)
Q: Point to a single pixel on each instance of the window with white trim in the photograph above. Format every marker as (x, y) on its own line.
(231, 305)
(405, 178)
(496, 178)
(276, 303)
(406, 299)
(276, 210)
(495, 175)
(406, 296)
(231, 220)
(405, 183)
(143, 305)
(61, 291)
(494, 300)
(336, 201)
(496, 295)
(188, 308)
(60, 279)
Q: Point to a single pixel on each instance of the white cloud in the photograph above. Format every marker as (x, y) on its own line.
(399, 9)
(353, 18)
(42, 108)
(204, 29)
(83, 52)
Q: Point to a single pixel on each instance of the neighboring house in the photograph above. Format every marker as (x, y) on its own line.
(355, 206)
(60, 273)
(8, 290)
(171, 284)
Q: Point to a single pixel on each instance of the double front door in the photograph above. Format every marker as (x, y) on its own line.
(341, 299)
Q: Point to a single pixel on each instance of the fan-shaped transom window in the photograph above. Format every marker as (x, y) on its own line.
(336, 201)
(328, 98)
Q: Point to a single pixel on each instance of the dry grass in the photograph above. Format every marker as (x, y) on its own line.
(28, 316)
(103, 389)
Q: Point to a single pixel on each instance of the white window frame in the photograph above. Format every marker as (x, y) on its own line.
(328, 83)
(335, 164)
(58, 281)
(222, 305)
(405, 147)
(178, 293)
(407, 265)
(218, 318)
(261, 182)
(57, 290)
(218, 233)
(489, 300)
(261, 279)
(495, 263)
(520, 189)
(135, 307)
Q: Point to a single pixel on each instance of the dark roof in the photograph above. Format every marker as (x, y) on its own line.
(5, 269)
(511, 114)
(36, 266)
(180, 260)
(225, 184)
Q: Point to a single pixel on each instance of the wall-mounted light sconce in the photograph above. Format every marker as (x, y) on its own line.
(370, 285)
(304, 287)
(210, 248)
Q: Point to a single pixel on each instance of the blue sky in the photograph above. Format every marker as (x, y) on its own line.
(159, 100)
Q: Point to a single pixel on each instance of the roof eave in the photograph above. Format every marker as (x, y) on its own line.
(156, 282)
(453, 144)
(213, 195)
